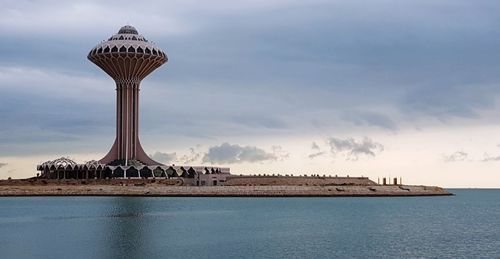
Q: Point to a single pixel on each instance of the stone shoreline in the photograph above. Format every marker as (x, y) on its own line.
(171, 189)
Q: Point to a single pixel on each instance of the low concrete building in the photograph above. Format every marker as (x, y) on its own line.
(211, 179)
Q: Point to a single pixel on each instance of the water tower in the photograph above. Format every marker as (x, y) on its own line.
(128, 58)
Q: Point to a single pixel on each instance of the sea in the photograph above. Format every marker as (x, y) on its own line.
(466, 225)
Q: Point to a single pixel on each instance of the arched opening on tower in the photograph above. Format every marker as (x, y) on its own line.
(183, 173)
(107, 173)
(118, 172)
(132, 172)
(158, 172)
(146, 172)
(191, 172)
(171, 172)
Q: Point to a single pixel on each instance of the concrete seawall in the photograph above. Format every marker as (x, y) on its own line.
(171, 188)
(296, 180)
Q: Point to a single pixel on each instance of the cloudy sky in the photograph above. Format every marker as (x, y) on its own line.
(375, 88)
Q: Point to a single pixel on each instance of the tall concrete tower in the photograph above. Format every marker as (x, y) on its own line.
(128, 58)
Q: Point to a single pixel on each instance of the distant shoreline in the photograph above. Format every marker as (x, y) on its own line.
(174, 188)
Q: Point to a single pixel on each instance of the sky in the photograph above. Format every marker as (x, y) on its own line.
(376, 88)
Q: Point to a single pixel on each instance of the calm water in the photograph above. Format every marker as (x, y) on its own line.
(466, 225)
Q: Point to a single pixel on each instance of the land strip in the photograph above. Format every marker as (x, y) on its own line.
(173, 187)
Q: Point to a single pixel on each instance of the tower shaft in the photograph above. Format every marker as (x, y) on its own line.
(127, 146)
(127, 119)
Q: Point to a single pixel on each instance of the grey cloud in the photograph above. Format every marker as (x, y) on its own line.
(488, 158)
(457, 100)
(317, 154)
(171, 158)
(193, 156)
(369, 118)
(353, 149)
(166, 158)
(280, 153)
(233, 153)
(316, 151)
(456, 156)
(261, 120)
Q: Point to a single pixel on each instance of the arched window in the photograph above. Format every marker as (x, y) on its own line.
(131, 49)
(132, 172)
(146, 172)
(106, 50)
(118, 172)
(154, 52)
(171, 172)
(139, 50)
(121, 38)
(123, 49)
(99, 50)
(184, 173)
(107, 173)
(147, 51)
(191, 172)
(114, 49)
(158, 172)
(134, 38)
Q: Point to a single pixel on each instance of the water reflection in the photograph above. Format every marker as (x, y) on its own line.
(128, 229)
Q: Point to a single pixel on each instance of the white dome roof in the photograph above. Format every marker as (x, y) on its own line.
(127, 40)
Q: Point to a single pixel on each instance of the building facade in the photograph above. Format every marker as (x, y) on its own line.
(65, 168)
